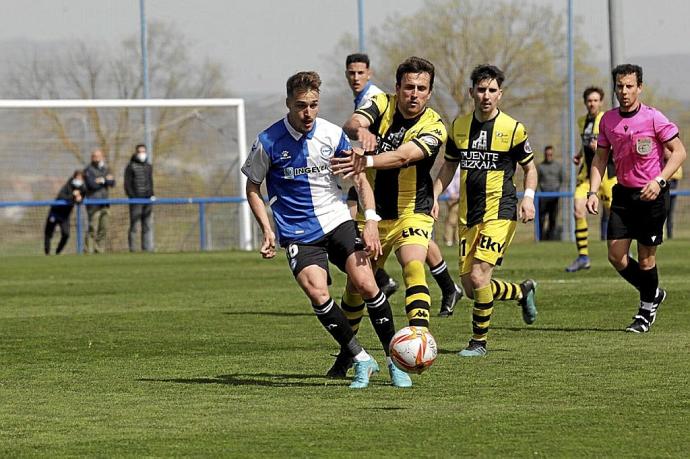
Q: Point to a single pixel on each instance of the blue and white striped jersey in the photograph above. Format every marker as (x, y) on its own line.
(303, 192)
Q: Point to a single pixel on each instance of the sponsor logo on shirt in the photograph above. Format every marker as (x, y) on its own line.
(479, 160)
(292, 172)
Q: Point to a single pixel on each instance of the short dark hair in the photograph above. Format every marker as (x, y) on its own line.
(487, 72)
(357, 57)
(141, 145)
(415, 65)
(592, 89)
(548, 147)
(77, 172)
(303, 81)
(627, 69)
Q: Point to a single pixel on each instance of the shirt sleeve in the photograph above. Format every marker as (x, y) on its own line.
(374, 107)
(522, 150)
(343, 145)
(257, 164)
(431, 138)
(664, 129)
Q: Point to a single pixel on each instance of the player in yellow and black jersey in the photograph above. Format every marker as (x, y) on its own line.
(487, 144)
(402, 138)
(588, 126)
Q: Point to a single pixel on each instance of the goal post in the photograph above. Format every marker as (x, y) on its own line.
(125, 128)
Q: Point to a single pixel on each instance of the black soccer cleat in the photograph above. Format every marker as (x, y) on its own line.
(389, 288)
(660, 298)
(640, 324)
(343, 362)
(528, 303)
(449, 301)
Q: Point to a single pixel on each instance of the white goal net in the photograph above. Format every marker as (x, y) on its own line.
(197, 149)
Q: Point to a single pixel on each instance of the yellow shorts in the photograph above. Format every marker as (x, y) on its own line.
(407, 230)
(605, 189)
(487, 241)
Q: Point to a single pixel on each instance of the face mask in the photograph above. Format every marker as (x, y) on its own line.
(141, 157)
(77, 183)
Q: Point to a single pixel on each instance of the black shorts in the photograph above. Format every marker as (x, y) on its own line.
(335, 247)
(632, 218)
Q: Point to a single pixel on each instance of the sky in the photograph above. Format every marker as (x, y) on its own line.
(261, 42)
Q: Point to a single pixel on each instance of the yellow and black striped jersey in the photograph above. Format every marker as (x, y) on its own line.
(589, 130)
(488, 153)
(407, 190)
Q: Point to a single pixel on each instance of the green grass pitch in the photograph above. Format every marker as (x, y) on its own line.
(219, 354)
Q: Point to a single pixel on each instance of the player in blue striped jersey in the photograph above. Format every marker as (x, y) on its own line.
(313, 224)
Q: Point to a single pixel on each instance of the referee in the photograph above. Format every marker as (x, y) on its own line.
(636, 135)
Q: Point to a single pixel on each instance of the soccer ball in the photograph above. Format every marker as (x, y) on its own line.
(413, 349)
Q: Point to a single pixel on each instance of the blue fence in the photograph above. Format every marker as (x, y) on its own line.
(200, 202)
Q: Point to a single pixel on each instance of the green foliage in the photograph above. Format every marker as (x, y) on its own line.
(219, 354)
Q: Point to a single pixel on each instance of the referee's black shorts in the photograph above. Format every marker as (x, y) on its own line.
(632, 218)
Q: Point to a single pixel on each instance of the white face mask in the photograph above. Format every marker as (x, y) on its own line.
(101, 164)
(76, 183)
(141, 157)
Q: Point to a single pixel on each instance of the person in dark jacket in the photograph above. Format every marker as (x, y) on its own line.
(98, 180)
(139, 184)
(73, 192)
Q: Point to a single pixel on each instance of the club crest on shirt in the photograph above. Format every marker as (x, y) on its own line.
(643, 146)
(326, 152)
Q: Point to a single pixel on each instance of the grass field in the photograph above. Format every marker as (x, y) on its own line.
(218, 355)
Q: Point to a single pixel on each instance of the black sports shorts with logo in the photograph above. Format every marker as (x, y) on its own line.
(632, 218)
(335, 247)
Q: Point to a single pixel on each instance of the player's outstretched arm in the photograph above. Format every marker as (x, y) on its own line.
(357, 128)
(526, 210)
(256, 203)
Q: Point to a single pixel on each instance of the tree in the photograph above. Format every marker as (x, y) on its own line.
(94, 71)
(526, 41)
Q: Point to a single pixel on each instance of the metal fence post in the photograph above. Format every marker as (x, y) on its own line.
(80, 230)
(202, 226)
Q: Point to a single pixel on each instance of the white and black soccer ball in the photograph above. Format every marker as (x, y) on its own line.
(413, 349)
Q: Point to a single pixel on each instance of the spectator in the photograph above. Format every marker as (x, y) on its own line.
(98, 180)
(139, 184)
(550, 179)
(73, 192)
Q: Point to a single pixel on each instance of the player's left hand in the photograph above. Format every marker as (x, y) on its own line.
(371, 239)
(349, 165)
(526, 211)
(435, 210)
(268, 246)
(650, 191)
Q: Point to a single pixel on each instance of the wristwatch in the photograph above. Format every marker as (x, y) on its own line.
(592, 193)
(661, 181)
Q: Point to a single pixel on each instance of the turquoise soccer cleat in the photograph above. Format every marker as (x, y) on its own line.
(528, 303)
(398, 377)
(363, 370)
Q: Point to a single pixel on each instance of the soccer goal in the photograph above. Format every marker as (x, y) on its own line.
(197, 149)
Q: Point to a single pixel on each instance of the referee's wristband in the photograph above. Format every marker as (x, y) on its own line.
(370, 214)
(529, 193)
(592, 193)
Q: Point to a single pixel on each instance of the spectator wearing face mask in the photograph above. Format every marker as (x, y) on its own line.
(139, 184)
(98, 180)
(73, 192)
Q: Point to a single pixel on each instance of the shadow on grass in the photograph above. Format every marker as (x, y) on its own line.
(562, 329)
(455, 351)
(255, 379)
(268, 313)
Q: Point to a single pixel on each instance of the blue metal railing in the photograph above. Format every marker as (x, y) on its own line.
(201, 202)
